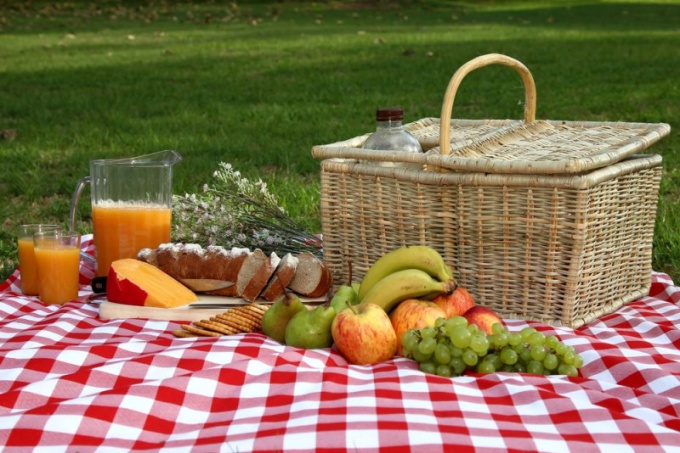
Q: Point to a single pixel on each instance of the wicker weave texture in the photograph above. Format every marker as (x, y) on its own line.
(561, 250)
(514, 147)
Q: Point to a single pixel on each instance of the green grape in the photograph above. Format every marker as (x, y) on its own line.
(508, 356)
(470, 357)
(514, 339)
(495, 359)
(455, 322)
(428, 367)
(535, 367)
(439, 323)
(460, 337)
(419, 356)
(568, 358)
(486, 367)
(444, 371)
(524, 353)
(520, 367)
(551, 341)
(473, 328)
(455, 351)
(560, 349)
(497, 328)
(567, 369)
(551, 362)
(427, 345)
(536, 339)
(442, 354)
(507, 368)
(526, 333)
(570, 349)
(410, 340)
(578, 361)
(428, 332)
(500, 340)
(538, 353)
(457, 365)
(479, 343)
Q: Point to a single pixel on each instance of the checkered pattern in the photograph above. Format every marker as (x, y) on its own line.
(71, 381)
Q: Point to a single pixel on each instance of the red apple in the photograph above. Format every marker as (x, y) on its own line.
(364, 335)
(414, 314)
(483, 317)
(455, 303)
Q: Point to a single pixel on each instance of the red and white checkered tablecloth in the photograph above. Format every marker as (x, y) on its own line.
(69, 381)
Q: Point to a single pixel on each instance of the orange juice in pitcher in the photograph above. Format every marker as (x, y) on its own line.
(131, 205)
(122, 230)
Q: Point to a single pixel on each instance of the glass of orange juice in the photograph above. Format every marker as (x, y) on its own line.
(57, 256)
(29, 272)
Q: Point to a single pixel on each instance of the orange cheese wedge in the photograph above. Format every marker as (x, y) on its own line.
(135, 282)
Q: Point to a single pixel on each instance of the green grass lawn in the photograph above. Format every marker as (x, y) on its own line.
(258, 84)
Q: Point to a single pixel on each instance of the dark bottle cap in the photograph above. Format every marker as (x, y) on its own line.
(389, 114)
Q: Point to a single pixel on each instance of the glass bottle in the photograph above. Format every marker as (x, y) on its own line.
(390, 135)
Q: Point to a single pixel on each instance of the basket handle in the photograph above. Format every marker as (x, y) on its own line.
(479, 62)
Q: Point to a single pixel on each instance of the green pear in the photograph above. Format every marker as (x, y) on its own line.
(311, 329)
(277, 317)
(345, 296)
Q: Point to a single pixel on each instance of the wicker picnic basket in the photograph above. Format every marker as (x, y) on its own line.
(540, 220)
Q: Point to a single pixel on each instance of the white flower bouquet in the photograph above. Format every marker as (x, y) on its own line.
(235, 212)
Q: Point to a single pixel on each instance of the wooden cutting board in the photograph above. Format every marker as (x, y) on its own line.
(204, 308)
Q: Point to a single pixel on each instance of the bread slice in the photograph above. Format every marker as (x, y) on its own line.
(255, 273)
(282, 277)
(312, 277)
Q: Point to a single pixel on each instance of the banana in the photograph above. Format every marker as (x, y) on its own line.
(406, 284)
(420, 257)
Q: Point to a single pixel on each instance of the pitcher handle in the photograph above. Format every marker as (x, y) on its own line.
(74, 201)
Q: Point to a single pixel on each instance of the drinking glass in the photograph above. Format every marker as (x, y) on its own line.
(57, 255)
(29, 272)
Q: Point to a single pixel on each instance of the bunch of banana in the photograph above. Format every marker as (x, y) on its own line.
(405, 273)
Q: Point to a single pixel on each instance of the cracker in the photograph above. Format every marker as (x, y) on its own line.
(184, 334)
(252, 311)
(216, 327)
(198, 331)
(245, 317)
(234, 324)
(238, 321)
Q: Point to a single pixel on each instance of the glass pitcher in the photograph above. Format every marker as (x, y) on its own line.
(131, 205)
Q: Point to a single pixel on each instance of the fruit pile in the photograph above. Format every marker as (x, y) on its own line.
(409, 304)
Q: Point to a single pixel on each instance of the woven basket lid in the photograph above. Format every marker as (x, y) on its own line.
(526, 146)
